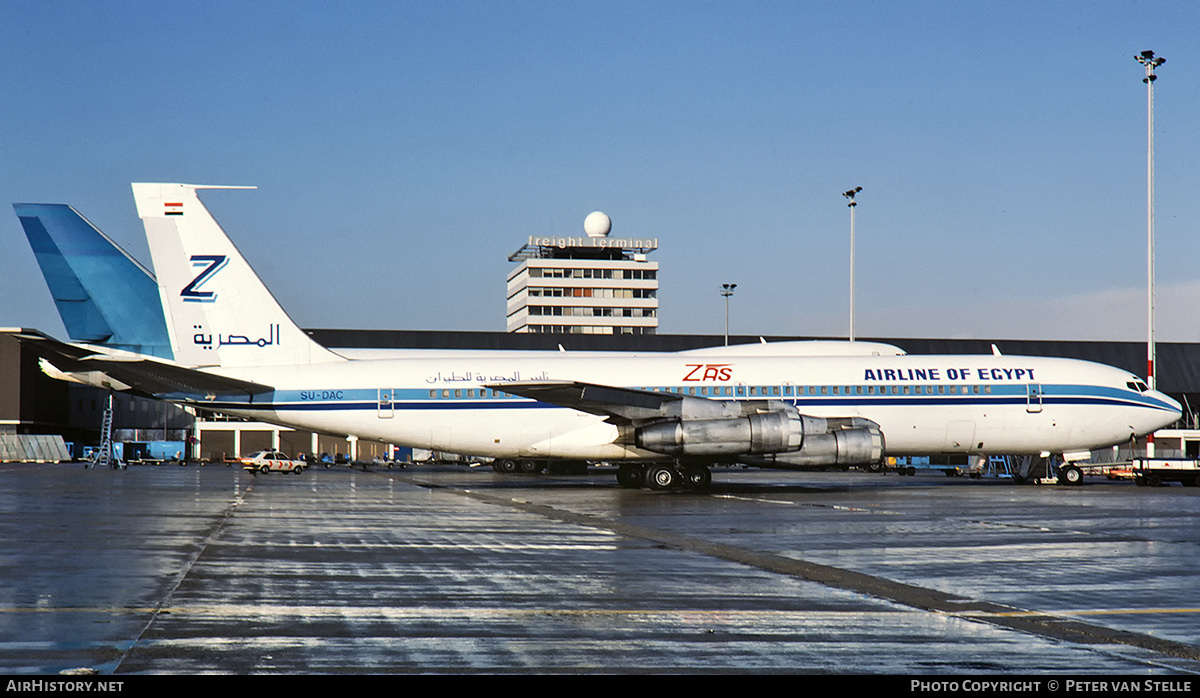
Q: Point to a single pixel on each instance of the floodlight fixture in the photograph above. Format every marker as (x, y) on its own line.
(726, 292)
(850, 195)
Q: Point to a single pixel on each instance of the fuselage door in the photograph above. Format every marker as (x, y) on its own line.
(1033, 398)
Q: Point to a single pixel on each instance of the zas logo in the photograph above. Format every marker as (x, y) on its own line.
(709, 372)
(212, 264)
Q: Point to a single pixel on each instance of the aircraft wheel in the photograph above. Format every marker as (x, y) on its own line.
(530, 466)
(631, 476)
(508, 466)
(661, 477)
(1070, 475)
(697, 478)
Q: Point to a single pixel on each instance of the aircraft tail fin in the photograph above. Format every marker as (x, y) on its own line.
(219, 312)
(103, 295)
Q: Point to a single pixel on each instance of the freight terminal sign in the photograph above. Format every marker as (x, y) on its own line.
(563, 242)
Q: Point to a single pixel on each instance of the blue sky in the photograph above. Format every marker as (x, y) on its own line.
(403, 150)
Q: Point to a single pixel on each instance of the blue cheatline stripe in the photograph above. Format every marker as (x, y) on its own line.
(443, 404)
(351, 400)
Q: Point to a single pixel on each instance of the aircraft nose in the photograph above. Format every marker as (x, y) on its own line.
(1172, 407)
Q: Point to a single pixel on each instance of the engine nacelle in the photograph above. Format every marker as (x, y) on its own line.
(768, 432)
(857, 445)
(779, 438)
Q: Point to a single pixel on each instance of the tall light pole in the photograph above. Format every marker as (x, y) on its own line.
(1147, 59)
(727, 291)
(853, 204)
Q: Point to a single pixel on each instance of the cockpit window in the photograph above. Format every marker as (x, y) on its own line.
(1137, 385)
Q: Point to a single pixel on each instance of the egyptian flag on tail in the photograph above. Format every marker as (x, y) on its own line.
(173, 208)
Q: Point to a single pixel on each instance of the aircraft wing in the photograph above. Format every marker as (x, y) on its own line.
(626, 405)
(143, 374)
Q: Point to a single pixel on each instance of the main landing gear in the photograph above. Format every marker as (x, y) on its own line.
(510, 465)
(664, 476)
(531, 466)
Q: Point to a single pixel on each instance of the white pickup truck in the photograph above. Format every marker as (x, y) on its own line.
(266, 461)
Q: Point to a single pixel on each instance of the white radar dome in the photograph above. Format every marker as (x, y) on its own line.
(597, 224)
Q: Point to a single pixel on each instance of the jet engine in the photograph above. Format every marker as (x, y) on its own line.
(848, 441)
(768, 432)
(778, 438)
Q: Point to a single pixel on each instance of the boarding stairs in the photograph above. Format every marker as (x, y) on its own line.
(104, 455)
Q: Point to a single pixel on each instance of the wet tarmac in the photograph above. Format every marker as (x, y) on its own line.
(444, 569)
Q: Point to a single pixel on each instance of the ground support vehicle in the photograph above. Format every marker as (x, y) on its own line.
(268, 461)
(979, 467)
(953, 466)
(1153, 472)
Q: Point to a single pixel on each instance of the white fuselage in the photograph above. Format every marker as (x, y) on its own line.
(985, 404)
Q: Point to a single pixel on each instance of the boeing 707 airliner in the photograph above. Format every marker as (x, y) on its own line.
(665, 417)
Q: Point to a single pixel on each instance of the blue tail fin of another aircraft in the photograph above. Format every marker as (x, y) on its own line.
(103, 295)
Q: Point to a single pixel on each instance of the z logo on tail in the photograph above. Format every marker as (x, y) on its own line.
(192, 293)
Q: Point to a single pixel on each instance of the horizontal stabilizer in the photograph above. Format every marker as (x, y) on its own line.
(142, 374)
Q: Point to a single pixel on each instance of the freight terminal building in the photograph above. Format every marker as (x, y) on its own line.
(590, 284)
